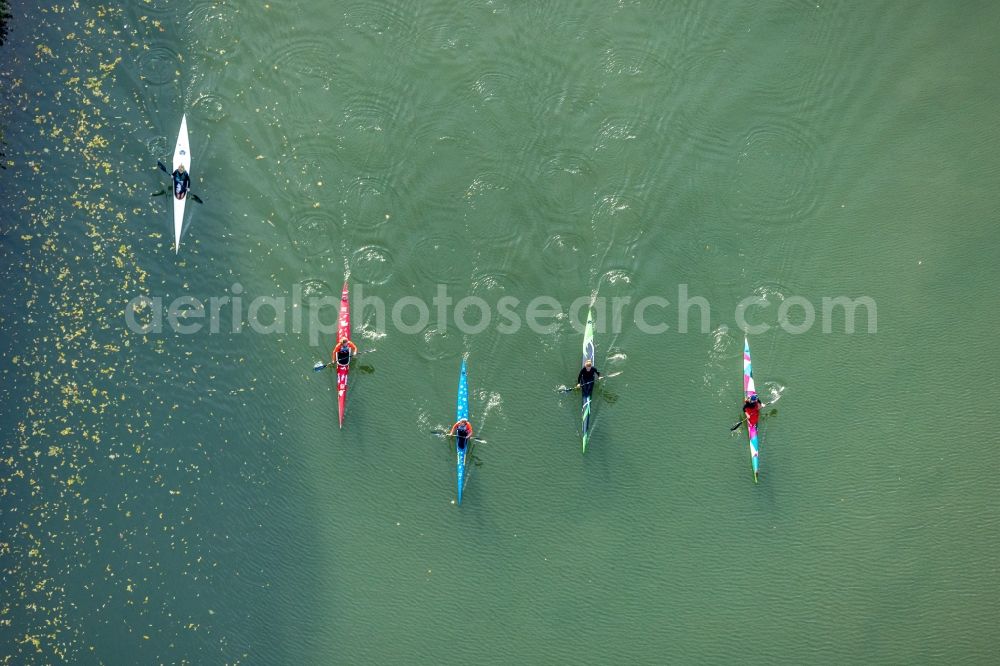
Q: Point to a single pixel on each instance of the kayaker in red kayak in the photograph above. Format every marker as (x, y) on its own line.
(588, 375)
(751, 408)
(463, 431)
(345, 350)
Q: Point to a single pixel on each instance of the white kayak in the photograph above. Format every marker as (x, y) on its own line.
(182, 156)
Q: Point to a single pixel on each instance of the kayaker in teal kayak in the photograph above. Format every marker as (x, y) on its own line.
(751, 408)
(463, 431)
(588, 375)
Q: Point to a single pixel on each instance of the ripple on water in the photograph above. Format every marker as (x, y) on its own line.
(445, 33)
(723, 354)
(773, 295)
(568, 180)
(159, 65)
(497, 85)
(210, 106)
(616, 131)
(440, 344)
(621, 278)
(158, 146)
(494, 283)
(314, 288)
(214, 27)
(374, 18)
(618, 219)
(375, 109)
(815, 75)
(311, 233)
(372, 264)
(707, 142)
(311, 168)
(564, 253)
(440, 257)
(704, 257)
(639, 56)
(303, 59)
(502, 206)
(774, 175)
(705, 39)
(616, 283)
(566, 104)
(369, 203)
(371, 152)
(441, 144)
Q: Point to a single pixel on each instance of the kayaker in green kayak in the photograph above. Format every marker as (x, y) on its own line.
(588, 375)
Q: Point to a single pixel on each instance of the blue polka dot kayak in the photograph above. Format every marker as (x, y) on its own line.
(461, 412)
(749, 390)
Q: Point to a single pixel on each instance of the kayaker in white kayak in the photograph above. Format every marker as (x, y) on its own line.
(345, 351)
(588, 375)
(182, 182)
(463, 431)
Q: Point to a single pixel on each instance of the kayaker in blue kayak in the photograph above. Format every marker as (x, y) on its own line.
(588, 375)
(463, 431)
(182, 181)
(345, 351)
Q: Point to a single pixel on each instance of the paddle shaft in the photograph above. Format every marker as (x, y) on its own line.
(317, 368)
(740, 422)
(573, 388)
(441, 433)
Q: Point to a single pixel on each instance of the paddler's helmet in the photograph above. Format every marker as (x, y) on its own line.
(753, 398)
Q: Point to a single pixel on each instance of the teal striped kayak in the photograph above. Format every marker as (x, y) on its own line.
(588, 355)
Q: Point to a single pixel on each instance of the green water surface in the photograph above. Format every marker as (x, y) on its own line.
(171, 498)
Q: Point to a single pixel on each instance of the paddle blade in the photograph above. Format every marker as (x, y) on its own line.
(158, 194)
(160, 164)
(196, 198)
(738, 424)
(320, 365)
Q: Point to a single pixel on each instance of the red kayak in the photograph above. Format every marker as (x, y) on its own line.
(343, 331)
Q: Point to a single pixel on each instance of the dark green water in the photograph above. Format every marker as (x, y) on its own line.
(172, 498)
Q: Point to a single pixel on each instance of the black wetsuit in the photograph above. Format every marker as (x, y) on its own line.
(343, 355)
(182, 181)
(586, 380)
